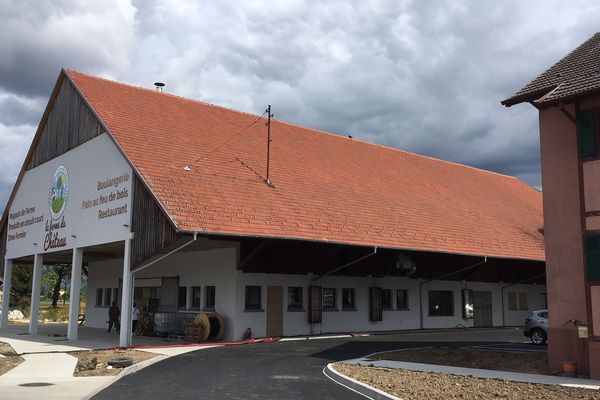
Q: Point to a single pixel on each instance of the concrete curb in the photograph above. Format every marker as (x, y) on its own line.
(477, 373)
(132, 369)
(352, 384)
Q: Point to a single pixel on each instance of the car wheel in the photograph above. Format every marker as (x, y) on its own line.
(538, 336)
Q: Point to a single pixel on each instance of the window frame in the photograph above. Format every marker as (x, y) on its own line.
(517, 297)
(451, 302)
(252, 307)
(384, 306)
(182, 302)
(334, 297)
(100, 296)
(199, 297)
(297, 307)
(405, 307)
(107, 297)
(210, 291)
(352, 306)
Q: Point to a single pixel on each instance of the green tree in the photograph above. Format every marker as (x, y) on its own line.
(20, 291)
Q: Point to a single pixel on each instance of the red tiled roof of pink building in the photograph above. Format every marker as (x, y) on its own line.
(325, 187)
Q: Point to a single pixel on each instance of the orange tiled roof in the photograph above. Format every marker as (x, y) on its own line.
(325, 187)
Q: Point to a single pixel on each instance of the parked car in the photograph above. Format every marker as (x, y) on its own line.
(536, 327)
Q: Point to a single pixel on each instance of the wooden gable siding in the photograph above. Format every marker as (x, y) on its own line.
(70, 123)
(152, 230)
(2, 248)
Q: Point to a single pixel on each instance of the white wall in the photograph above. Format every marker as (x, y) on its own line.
(295, 323)
(202, 268)
(218, 268)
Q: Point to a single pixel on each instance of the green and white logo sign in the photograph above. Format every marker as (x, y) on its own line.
(59, 192)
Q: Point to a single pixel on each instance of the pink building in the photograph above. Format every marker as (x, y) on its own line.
(567, 97)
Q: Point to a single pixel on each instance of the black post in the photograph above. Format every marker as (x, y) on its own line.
(268, 140)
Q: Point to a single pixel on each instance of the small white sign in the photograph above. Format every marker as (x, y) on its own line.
(81, 198)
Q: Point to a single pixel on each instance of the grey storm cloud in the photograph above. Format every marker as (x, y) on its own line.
(426, 77)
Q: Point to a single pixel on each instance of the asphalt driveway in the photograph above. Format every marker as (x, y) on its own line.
(280, 370)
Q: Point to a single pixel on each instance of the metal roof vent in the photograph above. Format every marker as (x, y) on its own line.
(159, 86)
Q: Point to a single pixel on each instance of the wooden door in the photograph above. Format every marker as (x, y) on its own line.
(482, 309)
(274, 311)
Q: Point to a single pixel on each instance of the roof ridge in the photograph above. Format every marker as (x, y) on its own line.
(131, 85)
(314, 130)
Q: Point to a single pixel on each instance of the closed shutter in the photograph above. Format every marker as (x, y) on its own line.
(375, 304)
(587, 135)
(315, 304)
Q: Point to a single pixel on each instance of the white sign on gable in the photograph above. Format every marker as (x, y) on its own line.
(81, 198)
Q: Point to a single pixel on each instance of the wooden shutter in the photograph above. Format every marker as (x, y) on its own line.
(315, 304)
(376, 309)
(587, 135)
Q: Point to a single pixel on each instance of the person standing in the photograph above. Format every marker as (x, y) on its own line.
(113, 317)
(135, 316)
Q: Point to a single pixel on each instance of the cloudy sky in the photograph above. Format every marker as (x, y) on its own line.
(425, 76)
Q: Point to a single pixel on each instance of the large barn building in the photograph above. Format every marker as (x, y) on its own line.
(182, 206)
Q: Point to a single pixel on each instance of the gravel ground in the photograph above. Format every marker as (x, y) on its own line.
(531, 363)
(8, 358)
(95, 363)
(410, 385)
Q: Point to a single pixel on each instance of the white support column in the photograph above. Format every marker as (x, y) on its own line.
(36, 288)
(126, 298)
(8, 264)
(75, 293)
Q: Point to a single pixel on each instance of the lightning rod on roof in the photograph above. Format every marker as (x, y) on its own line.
(159, 86)
(269, 115)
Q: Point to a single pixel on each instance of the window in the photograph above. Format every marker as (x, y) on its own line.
(386, 299)
(592, 256)
(196, 297)
(147, 296)
(253, 300)
(441, 303)
(294, 299)
(329, 299)
(182, 297)
(209, 302)
(99, 297)
(348, 299)
(523, 301)
(401, 299)
(468, 310)
(587, 135)
(517, 301)
(107, 297)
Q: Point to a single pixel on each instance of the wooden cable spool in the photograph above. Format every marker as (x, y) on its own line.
(212, 326)
(204, 323)
(217, 326)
